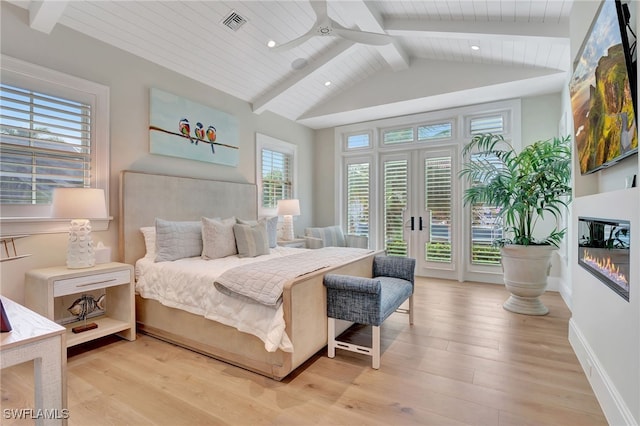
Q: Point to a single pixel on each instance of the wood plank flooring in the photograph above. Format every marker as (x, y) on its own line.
(465, 361)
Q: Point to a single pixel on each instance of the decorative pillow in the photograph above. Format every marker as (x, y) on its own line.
(252, 240)
(217, 238)
(177, 240)
(332, 236)
(272, 228)
(149, 233)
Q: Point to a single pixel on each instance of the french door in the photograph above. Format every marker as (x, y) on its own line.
(421, 210)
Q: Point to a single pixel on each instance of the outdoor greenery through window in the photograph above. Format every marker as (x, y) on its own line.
(277, 177)
(45, 142)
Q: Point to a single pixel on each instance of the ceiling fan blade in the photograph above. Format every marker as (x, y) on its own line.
(295, 42)
(363, 37)
(320, 8)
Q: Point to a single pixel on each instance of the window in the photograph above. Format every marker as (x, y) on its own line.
(276, 172)
(397, 136)
(53, 133)
(430, 132)
(494, 123)
(359, 141)
(358, 197)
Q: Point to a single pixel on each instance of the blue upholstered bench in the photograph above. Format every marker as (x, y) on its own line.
(369, 301)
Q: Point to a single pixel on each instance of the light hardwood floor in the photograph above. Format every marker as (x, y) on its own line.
(465, 361)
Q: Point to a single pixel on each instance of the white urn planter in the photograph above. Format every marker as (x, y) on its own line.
(525, 275)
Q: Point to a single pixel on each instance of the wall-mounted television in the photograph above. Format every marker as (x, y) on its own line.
(603, 89)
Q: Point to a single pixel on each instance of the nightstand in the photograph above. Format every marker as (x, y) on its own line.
(50, 291)
(295, 243)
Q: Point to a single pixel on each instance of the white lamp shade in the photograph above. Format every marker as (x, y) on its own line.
(288, 208)
(79, 203)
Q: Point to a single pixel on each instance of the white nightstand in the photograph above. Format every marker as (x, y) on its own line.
(295, 243)
(46, 288)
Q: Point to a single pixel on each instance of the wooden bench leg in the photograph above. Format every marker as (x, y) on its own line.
(331, 337)
(375, 349)
(411, 309)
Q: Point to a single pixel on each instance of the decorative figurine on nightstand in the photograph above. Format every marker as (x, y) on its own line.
(83, 307)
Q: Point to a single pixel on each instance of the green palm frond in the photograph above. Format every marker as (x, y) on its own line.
(525, 186)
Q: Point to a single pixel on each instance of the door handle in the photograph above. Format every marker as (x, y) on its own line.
(420, 224)
(413, 223)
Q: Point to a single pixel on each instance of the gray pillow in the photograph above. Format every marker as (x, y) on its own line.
(252, 240)
(177, 240)
(272, 228)
(217, 238)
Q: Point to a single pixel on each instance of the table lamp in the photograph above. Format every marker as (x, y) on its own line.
(79, 205)
(288, 209)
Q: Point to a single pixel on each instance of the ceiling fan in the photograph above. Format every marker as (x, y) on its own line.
(325, 26)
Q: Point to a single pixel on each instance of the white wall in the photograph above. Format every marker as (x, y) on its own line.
(129, 79)
(605, 329)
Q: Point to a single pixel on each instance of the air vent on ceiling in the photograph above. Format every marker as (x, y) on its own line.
(234, 21)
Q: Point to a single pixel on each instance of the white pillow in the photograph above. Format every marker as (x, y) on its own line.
(149, 233)
(272, 228)
(177, 240)
(252, 240)
(217, 238)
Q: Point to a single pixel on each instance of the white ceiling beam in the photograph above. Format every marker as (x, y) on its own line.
(549, 32)
(44, 14)
(263, 102)
(370, 20)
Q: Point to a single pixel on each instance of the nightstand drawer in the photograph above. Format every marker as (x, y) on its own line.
(90, 282)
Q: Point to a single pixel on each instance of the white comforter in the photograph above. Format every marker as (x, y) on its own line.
(187, 284)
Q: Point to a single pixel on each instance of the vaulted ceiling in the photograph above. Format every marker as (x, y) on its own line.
(429, 63)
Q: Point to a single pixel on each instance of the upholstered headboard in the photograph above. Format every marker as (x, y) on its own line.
(145, 196)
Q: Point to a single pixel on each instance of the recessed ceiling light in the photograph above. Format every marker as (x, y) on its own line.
(327, 83)
(271, 43)
(475, 47)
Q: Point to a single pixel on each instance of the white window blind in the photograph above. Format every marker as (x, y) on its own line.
(438, 199)
(358, 183)
(489, 124)
(396, 184)
(277, 176)
(45, 142)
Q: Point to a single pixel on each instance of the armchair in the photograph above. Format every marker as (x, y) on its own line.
(332, 236)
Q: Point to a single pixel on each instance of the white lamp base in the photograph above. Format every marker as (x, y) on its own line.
(80, 252)
(287, 228)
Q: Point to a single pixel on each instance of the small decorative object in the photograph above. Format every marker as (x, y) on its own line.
(288, 209)
(83, 307)
(74, 203)
(5, 325)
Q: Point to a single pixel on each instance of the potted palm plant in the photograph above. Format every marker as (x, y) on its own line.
(524, 188)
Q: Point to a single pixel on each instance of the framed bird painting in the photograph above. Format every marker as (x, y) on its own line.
(182, 128)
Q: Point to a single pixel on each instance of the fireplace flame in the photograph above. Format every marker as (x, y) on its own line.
(606, 267)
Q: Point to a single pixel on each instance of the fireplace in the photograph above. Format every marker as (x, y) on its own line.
(604, 247)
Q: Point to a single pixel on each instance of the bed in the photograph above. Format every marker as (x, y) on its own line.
(143, 198)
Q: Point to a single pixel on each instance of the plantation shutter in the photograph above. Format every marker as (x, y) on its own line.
(438, 193)
(395, 200)
(277, 177)
(491, 124)
(485, 226)
(45, 142)
(358, 199)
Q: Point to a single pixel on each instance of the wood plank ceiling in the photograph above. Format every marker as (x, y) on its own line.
(523, 49)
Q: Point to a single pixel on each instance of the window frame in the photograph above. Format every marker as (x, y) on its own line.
(267, 142)
(36, 219)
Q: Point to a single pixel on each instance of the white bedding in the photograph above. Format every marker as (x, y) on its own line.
(187, 284)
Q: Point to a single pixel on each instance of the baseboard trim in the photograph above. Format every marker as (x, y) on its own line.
(613, 406)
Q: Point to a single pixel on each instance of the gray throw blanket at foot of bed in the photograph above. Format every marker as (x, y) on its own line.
(263, 282)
